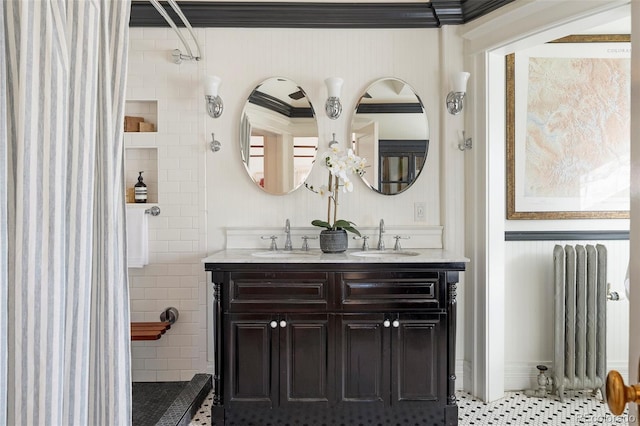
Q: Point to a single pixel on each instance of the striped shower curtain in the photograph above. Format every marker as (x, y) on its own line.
(64, 301)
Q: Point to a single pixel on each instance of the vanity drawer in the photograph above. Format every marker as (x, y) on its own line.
(277, 291)
(390, 290)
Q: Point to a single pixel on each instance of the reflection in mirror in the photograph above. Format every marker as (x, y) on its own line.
(390, 129)
(278, 136)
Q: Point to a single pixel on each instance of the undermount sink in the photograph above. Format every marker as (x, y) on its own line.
(385, 253)
(283, 254)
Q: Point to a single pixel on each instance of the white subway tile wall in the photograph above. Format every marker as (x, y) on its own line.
(172, 159)
(142, 160)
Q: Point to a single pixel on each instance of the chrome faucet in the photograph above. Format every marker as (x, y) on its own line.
(397, 246)
(380, 240)
(287, 230)
(273, 238)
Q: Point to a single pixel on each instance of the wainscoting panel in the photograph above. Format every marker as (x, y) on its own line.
(529, 327)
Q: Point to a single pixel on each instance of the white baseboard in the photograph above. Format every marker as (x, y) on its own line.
(462, 367)
(467, 380)
(522, 375)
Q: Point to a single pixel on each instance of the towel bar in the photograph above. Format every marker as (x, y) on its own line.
(153, 211)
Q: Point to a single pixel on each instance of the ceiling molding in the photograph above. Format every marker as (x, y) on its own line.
(472, 9)
(432, 14)
(276, 105)
(389, 108)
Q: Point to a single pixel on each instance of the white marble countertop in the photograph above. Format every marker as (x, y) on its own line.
(350, 256)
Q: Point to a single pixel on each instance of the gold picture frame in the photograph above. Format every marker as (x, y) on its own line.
(521, 157)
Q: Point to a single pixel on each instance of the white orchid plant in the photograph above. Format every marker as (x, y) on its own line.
(341, 166)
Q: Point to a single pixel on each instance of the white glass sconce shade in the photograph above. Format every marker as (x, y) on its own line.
(333, 107)
(459, 81)
(211, 85)
(455, 98)
(334, 86)
(215, 105)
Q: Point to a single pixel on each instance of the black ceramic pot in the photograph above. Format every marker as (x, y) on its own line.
(334, 241)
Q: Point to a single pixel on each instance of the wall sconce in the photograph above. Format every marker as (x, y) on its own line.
(459, 88)
(333, 107)
(214, 102)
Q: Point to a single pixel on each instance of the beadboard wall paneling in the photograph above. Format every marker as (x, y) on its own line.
(359, 57)
(529, 314)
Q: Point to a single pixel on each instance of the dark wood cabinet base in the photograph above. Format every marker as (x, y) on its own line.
(334, 344)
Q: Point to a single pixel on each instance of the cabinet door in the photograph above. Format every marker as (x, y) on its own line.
(418, 358)
(251, 358)
(307, 359)
(363, 358)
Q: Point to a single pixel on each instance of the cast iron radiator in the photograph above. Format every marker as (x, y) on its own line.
(580, 358)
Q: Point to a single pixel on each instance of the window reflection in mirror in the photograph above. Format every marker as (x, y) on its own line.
(390, 129)
(278, 136)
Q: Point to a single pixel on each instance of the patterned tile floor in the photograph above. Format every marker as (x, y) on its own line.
(578, 408)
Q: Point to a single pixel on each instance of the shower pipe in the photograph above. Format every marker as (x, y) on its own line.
(178, 57)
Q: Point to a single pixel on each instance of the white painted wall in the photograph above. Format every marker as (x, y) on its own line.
(491, 336)
(245, 57)
(634, 267)
(529, 286)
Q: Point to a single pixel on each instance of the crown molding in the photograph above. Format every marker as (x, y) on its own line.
(431, 14)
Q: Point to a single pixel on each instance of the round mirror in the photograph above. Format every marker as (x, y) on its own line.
(278, 136)
(390, 129)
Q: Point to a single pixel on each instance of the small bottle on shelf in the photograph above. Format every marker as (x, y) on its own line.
(140, 190)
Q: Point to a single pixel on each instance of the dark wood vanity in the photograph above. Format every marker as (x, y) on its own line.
(334, 343)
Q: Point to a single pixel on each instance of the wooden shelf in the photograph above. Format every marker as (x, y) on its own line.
(145, 109)
(148, 330)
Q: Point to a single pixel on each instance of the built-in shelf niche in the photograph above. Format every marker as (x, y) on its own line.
(145, 160)
(146, 109)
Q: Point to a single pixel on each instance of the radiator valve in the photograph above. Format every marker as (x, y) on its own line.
(543, 382)
(612, 295)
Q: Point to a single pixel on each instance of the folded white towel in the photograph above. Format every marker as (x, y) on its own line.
(137, 237)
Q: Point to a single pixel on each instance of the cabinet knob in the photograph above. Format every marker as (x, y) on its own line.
(386, 323)
(283, 323)
(396, 323)
(273, 324)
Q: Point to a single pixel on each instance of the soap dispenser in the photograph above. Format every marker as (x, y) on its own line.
(140, 190)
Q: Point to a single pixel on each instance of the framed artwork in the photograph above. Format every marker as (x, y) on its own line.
(568, 129)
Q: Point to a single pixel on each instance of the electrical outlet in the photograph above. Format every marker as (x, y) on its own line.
(419, 214)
